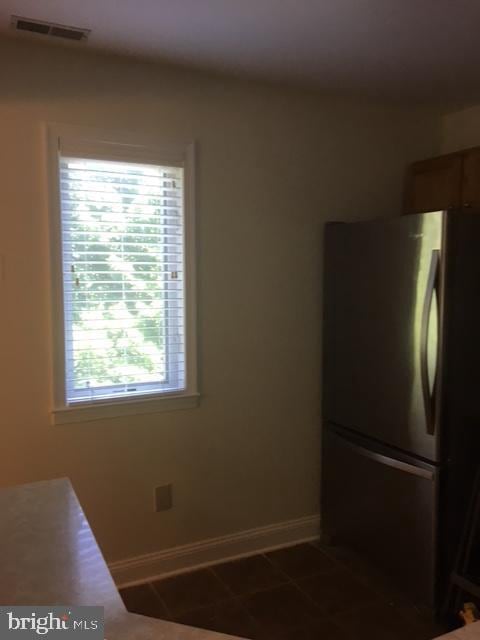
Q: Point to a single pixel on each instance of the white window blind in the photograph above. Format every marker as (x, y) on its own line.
(122, 233)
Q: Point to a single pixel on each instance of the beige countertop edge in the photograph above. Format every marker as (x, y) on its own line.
(49, 556)
(469, 632)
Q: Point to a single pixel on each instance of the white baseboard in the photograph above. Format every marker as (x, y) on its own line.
(213, 551)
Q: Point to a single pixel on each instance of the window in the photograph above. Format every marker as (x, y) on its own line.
(123, 267)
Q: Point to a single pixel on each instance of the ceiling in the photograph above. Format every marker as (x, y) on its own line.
(422, 50)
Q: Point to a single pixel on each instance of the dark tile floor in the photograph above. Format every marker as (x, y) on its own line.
(304, 592)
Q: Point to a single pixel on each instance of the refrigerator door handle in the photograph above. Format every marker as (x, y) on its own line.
(384, 459)
(428, 398)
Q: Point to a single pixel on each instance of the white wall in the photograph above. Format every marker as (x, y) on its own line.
(273, 165)
(460, 130)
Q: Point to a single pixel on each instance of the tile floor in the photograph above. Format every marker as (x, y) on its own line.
(304, 592)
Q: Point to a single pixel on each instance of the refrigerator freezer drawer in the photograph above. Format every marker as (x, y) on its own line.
(384, 508)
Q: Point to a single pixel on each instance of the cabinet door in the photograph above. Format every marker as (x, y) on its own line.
(470, 196)
(434, 185)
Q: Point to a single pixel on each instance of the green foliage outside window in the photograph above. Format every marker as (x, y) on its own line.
(115, 270)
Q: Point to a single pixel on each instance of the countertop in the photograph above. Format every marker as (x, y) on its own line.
(49, 556)
(470, 632)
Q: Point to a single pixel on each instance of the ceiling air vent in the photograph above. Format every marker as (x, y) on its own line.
(49, 29)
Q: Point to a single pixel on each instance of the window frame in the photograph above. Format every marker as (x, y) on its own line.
(69, 140)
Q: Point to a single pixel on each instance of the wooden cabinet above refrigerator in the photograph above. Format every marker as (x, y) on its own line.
(447, 182)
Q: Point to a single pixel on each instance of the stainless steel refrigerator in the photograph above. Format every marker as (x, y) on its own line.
(401, 392)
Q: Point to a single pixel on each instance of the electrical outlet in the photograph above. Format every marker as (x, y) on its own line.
(163, 497)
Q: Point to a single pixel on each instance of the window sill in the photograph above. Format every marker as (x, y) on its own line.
(85, 412)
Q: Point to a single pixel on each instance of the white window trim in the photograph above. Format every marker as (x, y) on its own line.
(130, 147)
